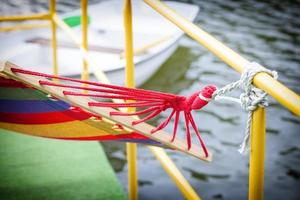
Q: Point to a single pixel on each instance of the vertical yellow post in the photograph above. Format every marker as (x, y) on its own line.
(52, 9)
(130, 147)
(84, 25)
(257, 155)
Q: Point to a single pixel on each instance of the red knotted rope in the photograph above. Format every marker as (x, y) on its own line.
(153, 102)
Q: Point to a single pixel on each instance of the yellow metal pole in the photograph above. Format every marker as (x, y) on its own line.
(282, 94)
(183, 185)
(130, 82)
(23, 27)
(257, 155)
(84, 24)
(143, 49)
(98, 73)
(54, 40)
(40, 16)
(161, 155)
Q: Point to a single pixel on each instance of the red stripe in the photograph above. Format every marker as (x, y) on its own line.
(6, 82)
(44, 118)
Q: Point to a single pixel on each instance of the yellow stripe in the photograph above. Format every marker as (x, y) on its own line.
(74, 129)
(39, 16)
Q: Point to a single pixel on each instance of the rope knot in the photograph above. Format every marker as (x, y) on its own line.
(247, 102)
(253, 97)
(250, 99)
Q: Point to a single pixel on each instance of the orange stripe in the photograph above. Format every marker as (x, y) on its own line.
(74, 129)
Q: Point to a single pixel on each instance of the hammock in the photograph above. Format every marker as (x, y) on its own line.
(27, 110)
(33, 105)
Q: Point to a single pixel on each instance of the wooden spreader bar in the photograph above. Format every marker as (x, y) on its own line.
(82, 102)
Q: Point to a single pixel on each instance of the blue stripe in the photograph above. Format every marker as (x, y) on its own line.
(32, 106)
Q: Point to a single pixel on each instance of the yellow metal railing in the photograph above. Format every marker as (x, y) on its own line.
(257, 155)
(131, 148)
(52, 13)
(283, 95)
(55, 21)
(264, 81)
(84, 41)
(40, 16)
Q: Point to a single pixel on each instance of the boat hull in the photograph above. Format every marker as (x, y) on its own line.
(32, 49)
(144, 69)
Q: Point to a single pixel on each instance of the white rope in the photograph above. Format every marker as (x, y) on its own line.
(250, 99)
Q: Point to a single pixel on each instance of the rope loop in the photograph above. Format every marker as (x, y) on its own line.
(253, 97)
(250, 99)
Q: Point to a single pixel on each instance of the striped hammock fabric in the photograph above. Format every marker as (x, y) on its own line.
(26, 110)
(38, 104)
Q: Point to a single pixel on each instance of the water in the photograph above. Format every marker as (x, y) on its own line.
(267, 32)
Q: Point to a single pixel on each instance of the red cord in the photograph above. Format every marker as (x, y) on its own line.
(123, 105)
(135, 113)
(175, 125)
(124, 97)
(198, 134)
(140, 91)
(188, 133)
(152, 115)
(153, 102)
(164, 123)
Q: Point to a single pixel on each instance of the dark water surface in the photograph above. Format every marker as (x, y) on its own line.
(267, 32)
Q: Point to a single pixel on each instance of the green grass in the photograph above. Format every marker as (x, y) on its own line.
(39, 168)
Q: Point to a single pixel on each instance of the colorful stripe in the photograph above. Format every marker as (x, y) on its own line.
(27, 110)
(32, 106)
(22, 94)
(73, 129)
(6, 82)
(44, 118)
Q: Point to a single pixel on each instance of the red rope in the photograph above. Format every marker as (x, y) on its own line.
(175, 125)
(123, 105)
(155, 101)
(198, 134)
(164, 123)
(132, 96)
(108, 96)
(140, 91)
(152, 115)
(188, 133)
(136, 113)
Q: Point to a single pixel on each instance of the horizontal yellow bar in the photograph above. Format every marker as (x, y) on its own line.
(40, 16)
(281, 93)
(23, 27)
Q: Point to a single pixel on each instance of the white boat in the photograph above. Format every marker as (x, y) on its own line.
(31, 48)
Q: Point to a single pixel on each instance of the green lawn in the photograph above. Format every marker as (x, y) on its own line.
(38, 168)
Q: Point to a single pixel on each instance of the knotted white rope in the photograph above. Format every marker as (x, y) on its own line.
(250, 99)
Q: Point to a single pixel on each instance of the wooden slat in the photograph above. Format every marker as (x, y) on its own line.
(143, 128)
